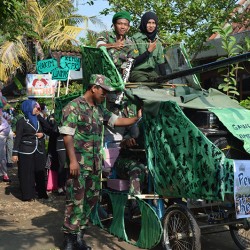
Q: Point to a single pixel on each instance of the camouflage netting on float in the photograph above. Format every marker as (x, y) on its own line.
(150, 228)
(182, 161)
(61, 102)
(97, 61)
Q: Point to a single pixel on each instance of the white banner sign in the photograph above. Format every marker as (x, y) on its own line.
(39, 85)
(242, 188)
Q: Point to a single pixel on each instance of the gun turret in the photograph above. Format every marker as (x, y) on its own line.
(205, 67)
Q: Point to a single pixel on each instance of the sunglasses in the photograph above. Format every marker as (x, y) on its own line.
(39, 109)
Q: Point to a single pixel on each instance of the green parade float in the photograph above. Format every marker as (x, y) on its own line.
(192, 137)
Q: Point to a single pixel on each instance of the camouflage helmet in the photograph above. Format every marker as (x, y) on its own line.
(102, 81)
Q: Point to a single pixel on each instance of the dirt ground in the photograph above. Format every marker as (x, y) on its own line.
(36, 225)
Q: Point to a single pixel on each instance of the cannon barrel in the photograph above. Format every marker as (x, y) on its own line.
(205, 67)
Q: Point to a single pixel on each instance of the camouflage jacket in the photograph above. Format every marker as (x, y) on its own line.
(84, 123)
(119, 57)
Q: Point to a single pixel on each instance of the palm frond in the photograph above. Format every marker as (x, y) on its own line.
(12, 54)
(53, 25)
(73, 19)
(56, 8)
(97, 21)
(59, 38)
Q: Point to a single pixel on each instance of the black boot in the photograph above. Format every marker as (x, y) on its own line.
(80, 243)
(69, 241)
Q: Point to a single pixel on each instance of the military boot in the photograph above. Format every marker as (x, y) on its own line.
(69, 241)
(80, 243)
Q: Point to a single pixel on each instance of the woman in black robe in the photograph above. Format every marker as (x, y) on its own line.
(29, 152)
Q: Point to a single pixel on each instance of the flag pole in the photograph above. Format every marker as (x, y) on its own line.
(58, 89)
(67, 86)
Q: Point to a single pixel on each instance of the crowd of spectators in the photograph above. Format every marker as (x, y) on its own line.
(28, 137)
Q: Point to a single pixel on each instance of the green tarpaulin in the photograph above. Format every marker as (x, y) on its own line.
(237, 122)
(181, 159)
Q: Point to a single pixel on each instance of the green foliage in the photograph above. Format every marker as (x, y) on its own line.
(12, 16)
(73, 87)
(229, 44)
(17, 107)
(90, 40)
(39, 27)
(30, 29)
(245, 103)
(8, 8)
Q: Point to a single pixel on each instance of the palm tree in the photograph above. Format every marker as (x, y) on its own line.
(50, 26)
(12, 54)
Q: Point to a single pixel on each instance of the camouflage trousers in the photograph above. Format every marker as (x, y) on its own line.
(132, 170)
(82, 194)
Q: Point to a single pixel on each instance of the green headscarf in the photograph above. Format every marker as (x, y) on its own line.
(121, 15)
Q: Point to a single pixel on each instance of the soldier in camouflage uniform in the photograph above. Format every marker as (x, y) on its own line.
(82, 123)
(131, 162)
(119, 46)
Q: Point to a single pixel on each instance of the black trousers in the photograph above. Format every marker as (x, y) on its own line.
(31, 174)
(62, 171)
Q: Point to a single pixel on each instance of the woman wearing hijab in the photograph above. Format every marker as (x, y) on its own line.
(148, 52)
(29, 152)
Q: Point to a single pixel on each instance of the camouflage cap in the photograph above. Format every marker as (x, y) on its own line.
(102, 81)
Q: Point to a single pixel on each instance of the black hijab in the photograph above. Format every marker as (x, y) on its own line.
(143, 26)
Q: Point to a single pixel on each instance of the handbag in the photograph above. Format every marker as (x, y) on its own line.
(52, 183)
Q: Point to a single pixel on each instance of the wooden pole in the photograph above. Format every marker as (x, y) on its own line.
(58, 88)
(67, 86)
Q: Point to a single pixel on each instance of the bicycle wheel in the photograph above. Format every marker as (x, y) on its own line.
(180, 229)
(240, 235)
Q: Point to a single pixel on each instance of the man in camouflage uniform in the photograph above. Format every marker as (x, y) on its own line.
(119, 46)
(82, 123)
(131, 162)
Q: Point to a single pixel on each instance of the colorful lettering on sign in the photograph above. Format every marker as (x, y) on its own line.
(242, 188)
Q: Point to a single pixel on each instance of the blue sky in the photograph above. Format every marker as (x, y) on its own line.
(94, 10)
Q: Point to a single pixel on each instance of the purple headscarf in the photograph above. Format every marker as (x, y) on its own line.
(4, 127)
(27, 109)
